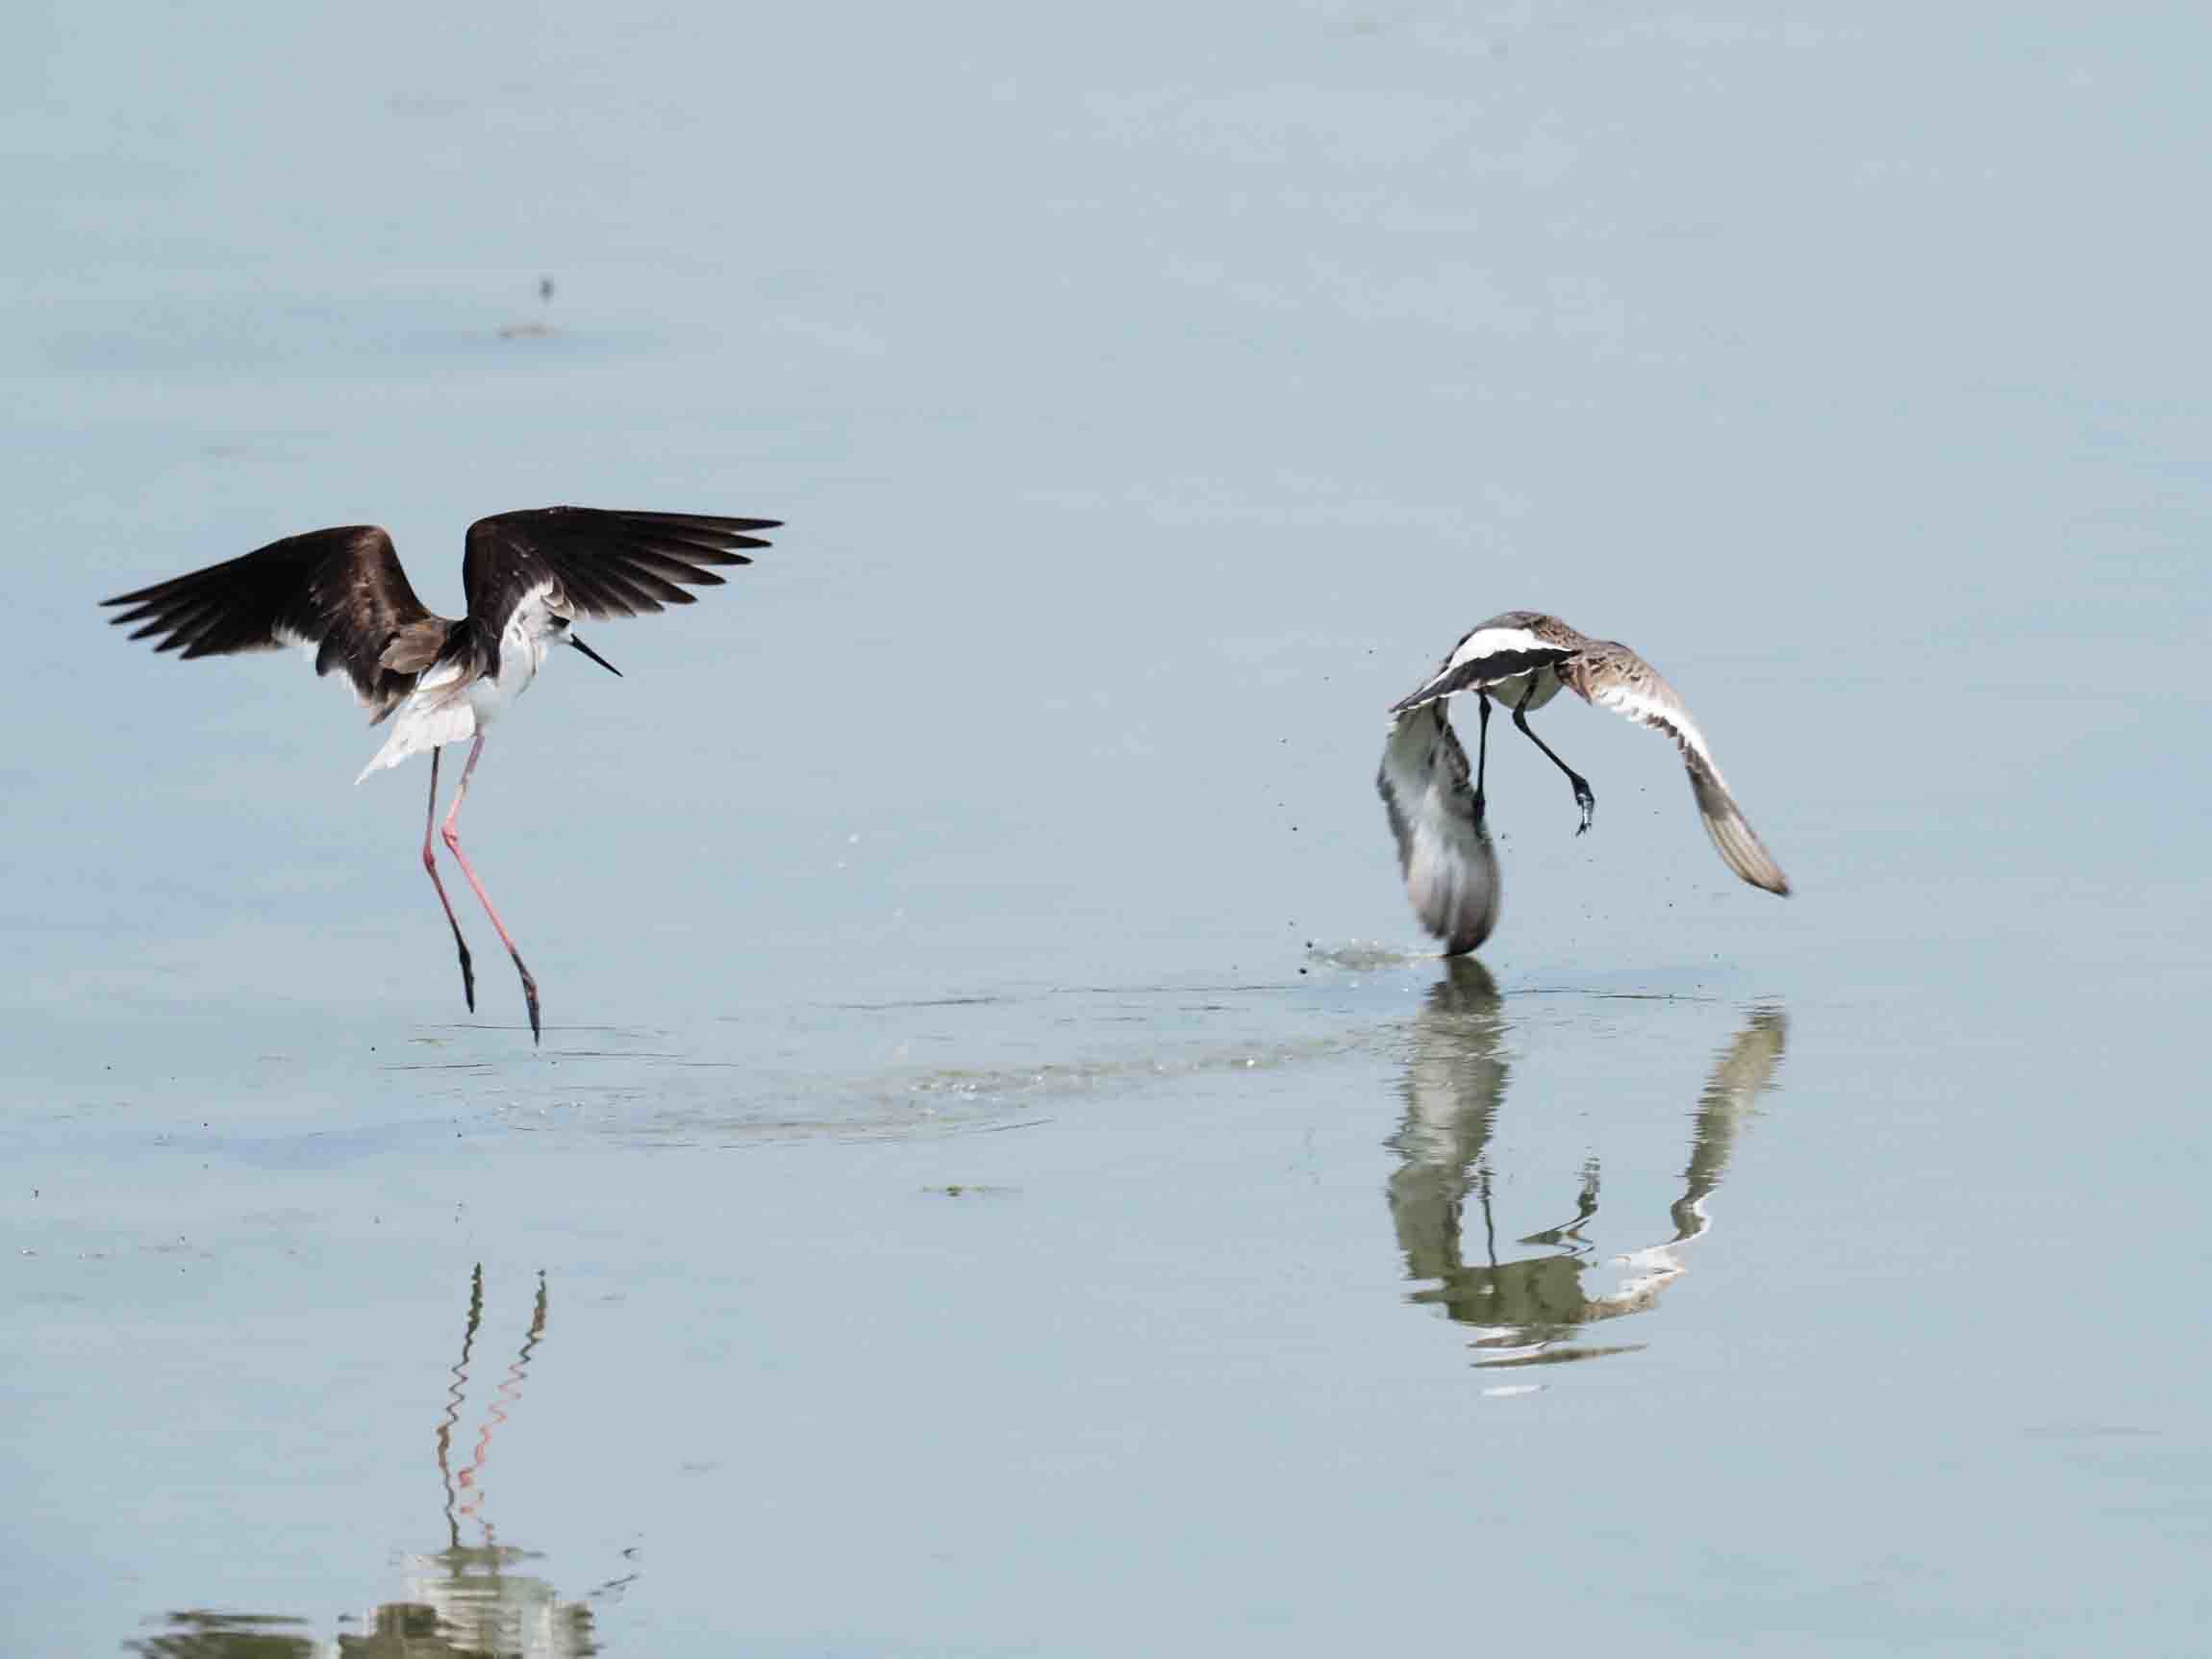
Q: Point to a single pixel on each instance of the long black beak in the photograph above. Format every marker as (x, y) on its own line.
(595, 656)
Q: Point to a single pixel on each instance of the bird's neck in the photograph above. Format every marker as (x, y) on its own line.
(523, 643)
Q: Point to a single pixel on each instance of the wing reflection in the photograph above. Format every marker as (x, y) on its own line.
(467, 1600)
(203, 1634)
(1532, 1309)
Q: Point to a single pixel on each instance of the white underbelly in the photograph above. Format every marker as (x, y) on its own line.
(1510, 692)
(492, 698)
(520, 656)
(437, 712)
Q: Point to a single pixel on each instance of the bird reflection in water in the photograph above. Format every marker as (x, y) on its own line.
(203, 1634)
(463, 1601)
(468, 1598)
(1532, 1309)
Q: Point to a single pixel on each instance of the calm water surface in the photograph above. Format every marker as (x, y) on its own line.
(1001, 1175)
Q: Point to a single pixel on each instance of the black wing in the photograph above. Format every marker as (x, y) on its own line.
(1502, 649)
(340, 592)
(600, 563)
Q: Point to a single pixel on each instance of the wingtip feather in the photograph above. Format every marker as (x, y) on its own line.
(1445, 857)
(1732, 836)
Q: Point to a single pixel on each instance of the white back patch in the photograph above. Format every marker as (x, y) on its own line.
(1491, 642)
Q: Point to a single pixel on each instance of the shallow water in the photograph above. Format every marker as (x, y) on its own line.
(1001, 1175)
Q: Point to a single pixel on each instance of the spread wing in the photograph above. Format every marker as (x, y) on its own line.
(1499, 649)
(1612, 676)
(340, 592)
(1444, 848)
(598, 562)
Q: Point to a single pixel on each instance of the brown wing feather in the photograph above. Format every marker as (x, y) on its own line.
(1610, 675)
(339, 592)
(604, 562)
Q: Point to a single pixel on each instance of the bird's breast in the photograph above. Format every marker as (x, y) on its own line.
(521, 654)
(1538, 686)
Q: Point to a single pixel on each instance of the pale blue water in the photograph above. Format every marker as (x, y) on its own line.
(1000, 1175)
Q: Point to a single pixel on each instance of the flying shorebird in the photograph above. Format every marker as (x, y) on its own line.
(341, 595)
(1522, 659)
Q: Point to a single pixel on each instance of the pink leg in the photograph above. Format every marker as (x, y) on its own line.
(453, 845)
(430, 863)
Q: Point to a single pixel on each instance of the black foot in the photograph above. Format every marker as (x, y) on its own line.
(529, 996)
(467, 978)
(1587, 801)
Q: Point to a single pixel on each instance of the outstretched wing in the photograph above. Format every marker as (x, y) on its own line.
(598, 562)
(1444, 848)
(1612, 676)
(1499, 649)
(339, 593)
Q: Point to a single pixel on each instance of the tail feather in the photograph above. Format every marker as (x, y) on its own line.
(420, 728)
